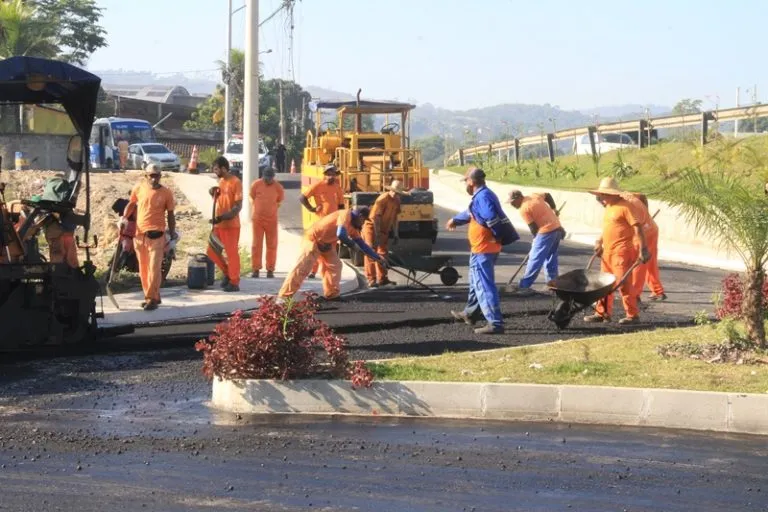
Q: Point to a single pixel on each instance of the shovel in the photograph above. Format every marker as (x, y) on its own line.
(213, 241)
(113, 271)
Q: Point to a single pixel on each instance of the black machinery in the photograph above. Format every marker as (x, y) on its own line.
(41, 302)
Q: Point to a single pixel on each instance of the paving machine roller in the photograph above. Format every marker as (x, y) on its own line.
(368, 160)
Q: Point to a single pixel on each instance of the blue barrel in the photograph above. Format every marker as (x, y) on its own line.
(211, 271)
(197, 272)
(22, 164)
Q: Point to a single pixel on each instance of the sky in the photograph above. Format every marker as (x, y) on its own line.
(467, 54)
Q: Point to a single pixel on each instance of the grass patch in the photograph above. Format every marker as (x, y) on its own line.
(627, 360)
(640, 170)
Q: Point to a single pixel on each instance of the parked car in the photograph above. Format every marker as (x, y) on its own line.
(234, 155)
(604, 142)
(141, 155)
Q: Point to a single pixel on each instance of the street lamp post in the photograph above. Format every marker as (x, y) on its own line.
(251, 105)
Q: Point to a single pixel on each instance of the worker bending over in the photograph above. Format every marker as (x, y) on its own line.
(266, 197)
(328, 197)
(151, 202)
(540, 213)
(319, 243)
(648, 273)
(228, 197)
(489, 229)
(621, 244)
(377, 230)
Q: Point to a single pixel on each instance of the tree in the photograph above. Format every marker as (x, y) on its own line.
(22, 32)
(76, 27)
(432, 149)
(720, 204)
(235, 75)
(687, 106)
(209, 114)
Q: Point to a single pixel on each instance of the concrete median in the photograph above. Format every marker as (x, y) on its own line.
(679, 409)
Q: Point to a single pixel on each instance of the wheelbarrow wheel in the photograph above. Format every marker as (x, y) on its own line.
(449, 276)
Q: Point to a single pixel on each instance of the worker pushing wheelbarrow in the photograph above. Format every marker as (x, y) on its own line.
(580, 289)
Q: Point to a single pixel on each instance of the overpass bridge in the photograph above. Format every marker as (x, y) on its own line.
(640, 130)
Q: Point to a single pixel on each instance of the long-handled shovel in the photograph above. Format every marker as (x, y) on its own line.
(506, 289)
(213, 241)
(113, 269)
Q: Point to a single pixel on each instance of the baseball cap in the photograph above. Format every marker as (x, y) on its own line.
(268, 173)
(515, 194)
(474, 173)
(330, 168)
(153, 169)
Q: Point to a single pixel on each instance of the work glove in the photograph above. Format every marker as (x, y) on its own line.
(214, 191)
(323, 247)
(215, 220)
(645, 255)
(174, 235)
(562, 233)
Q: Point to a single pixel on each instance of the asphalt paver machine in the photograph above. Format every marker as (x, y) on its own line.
(368, 161)
(43, 303)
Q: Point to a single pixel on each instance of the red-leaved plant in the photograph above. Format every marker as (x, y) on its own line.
(279, 341)
(732, 297)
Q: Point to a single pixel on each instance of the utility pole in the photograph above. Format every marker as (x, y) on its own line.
(282, 115)
(227, 93)
(736, 122)
(251, 106)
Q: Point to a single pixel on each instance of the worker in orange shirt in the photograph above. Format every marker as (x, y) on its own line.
(229, 201)
(622, 236)
(328, 198)
(122, 148)
(60, 235)
(539, 212)
(319, 243)
(648, 273)
(151, 202)
(376, 232)
(266, 196)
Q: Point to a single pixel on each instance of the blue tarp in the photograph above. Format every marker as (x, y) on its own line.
(73, 88)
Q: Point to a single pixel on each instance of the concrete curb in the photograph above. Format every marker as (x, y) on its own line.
(666, 408)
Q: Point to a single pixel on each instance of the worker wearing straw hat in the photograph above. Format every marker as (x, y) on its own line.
(621, 244)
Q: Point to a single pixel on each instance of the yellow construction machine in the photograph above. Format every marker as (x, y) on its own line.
(369, 160)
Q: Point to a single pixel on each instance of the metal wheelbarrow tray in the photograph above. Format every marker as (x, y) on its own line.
(579, 289)
(427, 265)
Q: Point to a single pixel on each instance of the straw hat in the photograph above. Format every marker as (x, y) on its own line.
(397, 187)
(609, 187)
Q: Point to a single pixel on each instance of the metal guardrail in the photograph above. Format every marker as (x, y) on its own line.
(636, 125)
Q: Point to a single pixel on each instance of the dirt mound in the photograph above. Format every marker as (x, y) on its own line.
(106, 187)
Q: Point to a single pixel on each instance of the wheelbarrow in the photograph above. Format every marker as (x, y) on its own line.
(579, 289)
(420, 267)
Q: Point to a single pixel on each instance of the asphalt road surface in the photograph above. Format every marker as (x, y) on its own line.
(132, 432)
(412, 321)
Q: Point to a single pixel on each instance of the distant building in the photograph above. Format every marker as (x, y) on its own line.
(166, 94)
(153, 102)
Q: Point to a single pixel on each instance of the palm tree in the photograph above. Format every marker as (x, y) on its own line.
(722, 205)
(235, 75)
(23, 33)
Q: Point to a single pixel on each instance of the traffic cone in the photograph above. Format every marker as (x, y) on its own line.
(293, 166)
(192, 166)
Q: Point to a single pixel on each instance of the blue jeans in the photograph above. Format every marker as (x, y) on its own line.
(483, 294)
(543, 252)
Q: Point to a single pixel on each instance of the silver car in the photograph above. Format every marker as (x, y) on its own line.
(141, 155)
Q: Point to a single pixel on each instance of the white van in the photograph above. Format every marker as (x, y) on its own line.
(604, 142)
(234, 155)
